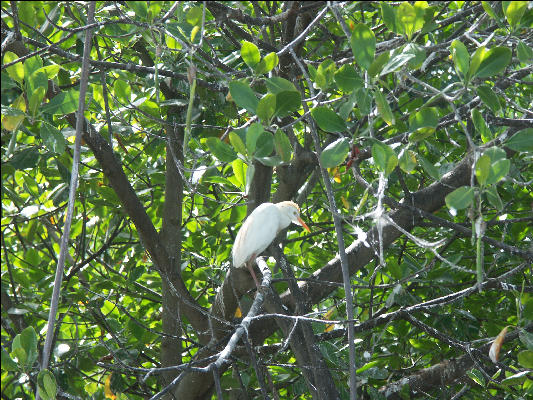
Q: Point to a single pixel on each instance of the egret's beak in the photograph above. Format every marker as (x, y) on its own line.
(304, 224)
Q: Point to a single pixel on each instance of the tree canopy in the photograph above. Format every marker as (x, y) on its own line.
(137, 137)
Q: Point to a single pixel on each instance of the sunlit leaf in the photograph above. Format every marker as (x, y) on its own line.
(250, 53)
(460, 198)
(487, 96)
(384, 108)
(461, 58)
(252, 134)
(335, 153)
(521, 141)
(282, 145)
(243, 96)
(276, 85)
(347, 79)
(514, 10)
(221, 150)
(266, 107)
(384, 157)
(328, 120)
(363, 44)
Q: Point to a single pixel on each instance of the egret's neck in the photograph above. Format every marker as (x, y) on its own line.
(284, 220)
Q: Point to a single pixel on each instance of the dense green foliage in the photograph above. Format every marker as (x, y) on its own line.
(419, 117)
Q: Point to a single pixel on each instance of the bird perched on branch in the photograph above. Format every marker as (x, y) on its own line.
(260, 229)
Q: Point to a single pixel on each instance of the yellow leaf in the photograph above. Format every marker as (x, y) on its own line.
(494, 352)
(12, 122)
(329, 315)
(345, 202)
(107, 388)
(335, 173)
(238, 313)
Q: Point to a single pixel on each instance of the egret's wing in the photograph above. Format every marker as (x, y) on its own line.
(256, 234)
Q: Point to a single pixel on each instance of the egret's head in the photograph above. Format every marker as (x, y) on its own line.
(291, 211)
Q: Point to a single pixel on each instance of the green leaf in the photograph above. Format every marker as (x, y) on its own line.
(428, 167)
(243, 96)
(498, 171)
(407, 160)
(514, 10)
(239, 170)
(460, 57)
(7, 82)
(287, 102)
(476, 376)
(493, 197)
(524, 53)
(273, 161)
(495, 154)
(491, 62)
(328, 120)
(363, 43)
(64, 103)
(139, 7)
(36, 100)
(50, 71)
(28, 342)
(388, 13)
(383, 107)
(122, 90)
(250, 54)
(276, 85)
(487, 96)
(53, 138)
(475, 61)
(384, 157)
(419, 54)
(335, 153)
(221, 150)
(31, 65)
(521, 141)
(516, 379)
(483, 169)
(527, 339)
(460, 198)
(325, 73)
(396, 62)
(252, 134)
(266, 107)
(423, 123)
(25, 159)
(237, 143)
(194, 16)
(347, 107)
(481, 126)
(378, 63)
(21, 357)
(410, 19)
(47, 385)
(489, 10)
(265, 145)
(282, 145)
(267, 64)
(312, 72)
(7, 362)
(363, 97)
(250, 172)
(347, 79)
(16, 71)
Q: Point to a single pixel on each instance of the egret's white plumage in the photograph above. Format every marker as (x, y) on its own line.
(260, 229)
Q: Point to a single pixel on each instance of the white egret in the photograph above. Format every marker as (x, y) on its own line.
(260, 229)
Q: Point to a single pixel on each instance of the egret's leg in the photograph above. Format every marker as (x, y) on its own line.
(249, 264)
